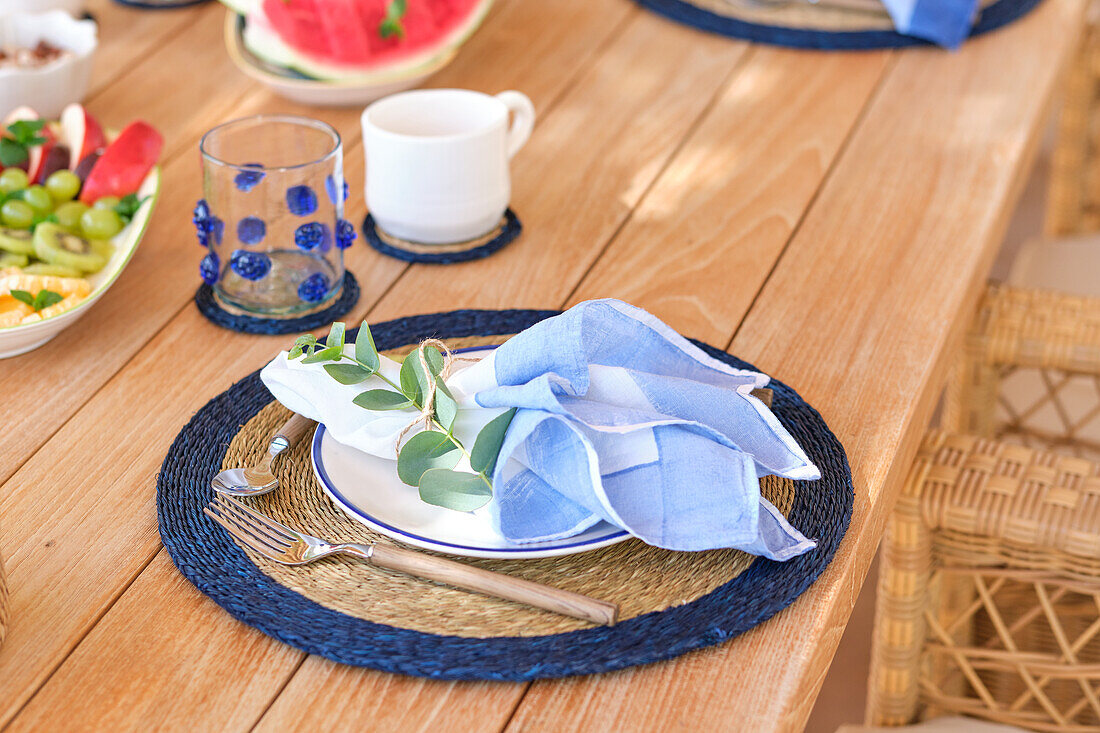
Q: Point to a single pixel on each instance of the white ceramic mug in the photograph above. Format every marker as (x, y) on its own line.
(437, 161)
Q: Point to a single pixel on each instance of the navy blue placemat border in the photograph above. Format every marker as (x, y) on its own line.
(512, 228)
(209, 307)
(209, 558)
(992, 17)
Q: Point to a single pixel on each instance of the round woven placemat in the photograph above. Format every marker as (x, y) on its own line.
(802, 24)
(357, 614)
(344, 301)
(443, 254)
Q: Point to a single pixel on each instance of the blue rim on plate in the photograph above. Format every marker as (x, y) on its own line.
(217, 566)
(544, 549)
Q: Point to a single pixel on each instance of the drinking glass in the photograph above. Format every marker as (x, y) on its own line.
(272, 214)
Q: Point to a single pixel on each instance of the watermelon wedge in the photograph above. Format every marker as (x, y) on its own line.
(357, 39)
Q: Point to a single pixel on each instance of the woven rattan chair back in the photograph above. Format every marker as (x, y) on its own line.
(1073, 200)
(989, 589)
(1030, 372)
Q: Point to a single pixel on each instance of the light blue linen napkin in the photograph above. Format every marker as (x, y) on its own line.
(621, 419)
(944, 22)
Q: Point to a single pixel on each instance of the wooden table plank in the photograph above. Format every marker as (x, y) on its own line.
(857, 318)
(177, 663)
(699, 247)
(127, 36)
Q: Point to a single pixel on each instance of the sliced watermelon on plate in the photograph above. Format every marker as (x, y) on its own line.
(353, 39)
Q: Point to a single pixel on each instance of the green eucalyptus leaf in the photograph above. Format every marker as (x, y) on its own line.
(336, 336)
(446, 407)
(456, 490)
(423, 452)
(414, 381)
(329, 353)
(382, 399)
(347, 373)
(295, 352)
(435, 361)
(365, 350)
(483, 457)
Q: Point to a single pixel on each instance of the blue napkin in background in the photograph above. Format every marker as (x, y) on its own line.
(621, 419)
(944, 22)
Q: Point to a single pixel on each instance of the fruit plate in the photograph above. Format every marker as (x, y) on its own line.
(16, 340)
(299, 88)
(368, 490)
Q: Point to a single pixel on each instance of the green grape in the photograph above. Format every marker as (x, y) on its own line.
(107, 203)
(100, 223)
(63, 185)
(17, 214)
(69, 213)
(38, 198)
(13, 179)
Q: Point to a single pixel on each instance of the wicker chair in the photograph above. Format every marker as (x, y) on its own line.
(989, 589)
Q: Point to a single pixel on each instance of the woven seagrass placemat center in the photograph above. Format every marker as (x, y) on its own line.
(638, 577)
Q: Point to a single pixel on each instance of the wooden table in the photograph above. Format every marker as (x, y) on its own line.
(830, 217)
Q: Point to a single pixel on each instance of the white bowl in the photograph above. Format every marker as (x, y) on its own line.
(344, 93)
(16, 340)
(72, 7)
(47, 89)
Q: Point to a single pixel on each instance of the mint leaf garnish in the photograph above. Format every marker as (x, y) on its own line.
(391, 25)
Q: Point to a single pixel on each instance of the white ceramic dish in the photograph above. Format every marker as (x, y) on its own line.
(368, 490)
(17, 340)
(47, 89)
(296, 88)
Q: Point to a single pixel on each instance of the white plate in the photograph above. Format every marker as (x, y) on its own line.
(20, 339)
(368, 490)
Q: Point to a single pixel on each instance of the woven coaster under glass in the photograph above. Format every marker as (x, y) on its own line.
(219, 314)
(354, 613)
(443, 254)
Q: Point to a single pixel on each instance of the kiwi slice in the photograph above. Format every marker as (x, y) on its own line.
(57, 246)
(41, 268)
(104, 248)
(16, 241)
(10, 259)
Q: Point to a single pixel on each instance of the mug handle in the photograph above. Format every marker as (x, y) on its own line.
(523, 119)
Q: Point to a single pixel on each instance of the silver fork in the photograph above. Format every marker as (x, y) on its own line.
(275, 541)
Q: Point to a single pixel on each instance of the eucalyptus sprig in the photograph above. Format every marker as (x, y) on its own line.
(428, 459)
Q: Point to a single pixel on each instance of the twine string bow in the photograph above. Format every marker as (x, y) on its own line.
(427, 410)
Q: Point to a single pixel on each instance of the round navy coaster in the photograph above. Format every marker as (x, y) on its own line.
(219, 568)
(345, 301)
(443, 254)
(728, 23)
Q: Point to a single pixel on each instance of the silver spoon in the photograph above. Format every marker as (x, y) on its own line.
(259, 479)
